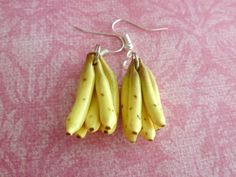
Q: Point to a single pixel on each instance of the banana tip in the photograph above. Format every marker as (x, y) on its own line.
(163, 125)
(68, 133)
(107, 127)
(132, 141)
(91, 129)
(78, 136)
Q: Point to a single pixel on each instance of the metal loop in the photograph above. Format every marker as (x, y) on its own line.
(131, 56)
(104, 51)
(136, 60)
(128, 45)
(97, 54)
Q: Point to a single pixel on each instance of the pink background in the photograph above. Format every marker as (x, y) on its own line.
(41, 57)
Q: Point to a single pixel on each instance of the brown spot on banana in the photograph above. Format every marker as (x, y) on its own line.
(68, 134)
(138, 117)
(91, 129)
(107, 127)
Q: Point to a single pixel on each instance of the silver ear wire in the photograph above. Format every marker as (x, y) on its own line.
(103, 51)
(138, 26)
(128, 45)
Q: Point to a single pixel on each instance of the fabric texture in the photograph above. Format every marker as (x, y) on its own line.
(42, 55)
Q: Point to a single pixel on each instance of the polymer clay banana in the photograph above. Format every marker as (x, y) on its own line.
(84, 94)
(106, 108)
(106, 131)
(124, 107)
(157, 94)
(92, 121)
(148, 130)
(134, 123)
(130, 136)
(81, 133)
(124, 99)
(112, 79)
(151, 96)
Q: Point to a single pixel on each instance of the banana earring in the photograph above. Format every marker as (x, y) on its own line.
(142, 111)
(97, 99)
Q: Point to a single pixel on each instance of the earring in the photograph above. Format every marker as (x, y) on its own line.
(97, 99)
(141, 106)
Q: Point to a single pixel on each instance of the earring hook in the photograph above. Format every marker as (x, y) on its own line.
(128, 45)
(136, 25)
(103, 51)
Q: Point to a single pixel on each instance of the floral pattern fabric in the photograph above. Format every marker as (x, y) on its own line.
(42, 55)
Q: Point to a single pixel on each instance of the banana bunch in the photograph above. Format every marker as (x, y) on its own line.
(97, 100)
(140, 103)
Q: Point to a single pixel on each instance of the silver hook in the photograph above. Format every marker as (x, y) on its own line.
(104, 51)
(125, 37)
(128, 45)
(138, 26)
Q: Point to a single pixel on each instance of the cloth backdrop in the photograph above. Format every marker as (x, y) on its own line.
(41, 58)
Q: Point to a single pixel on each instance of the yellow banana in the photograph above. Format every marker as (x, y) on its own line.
(156, 127)
(155, 87)
(130, 136)
(105, 103)
(124, 99)
(92, 121)
(151, 96)
(81, 133)
(148, 131)
(134, 123)
(112, 79)
(85, 89)
(124, 107)
(110, 131)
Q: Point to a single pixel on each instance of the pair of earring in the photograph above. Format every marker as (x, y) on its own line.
(97, 103)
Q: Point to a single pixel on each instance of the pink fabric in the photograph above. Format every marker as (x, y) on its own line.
(41, 57)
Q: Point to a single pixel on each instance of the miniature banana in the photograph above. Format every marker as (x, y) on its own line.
(151, 97)
(134, 123)
(156, 127)
(124, 107)
(85, 89)
(148, 131)
(106, 108)
(124, 99)
(155, 87)
(130, 136)
(92, 121)
(81, 133)
(110, 131)
(112, 79)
